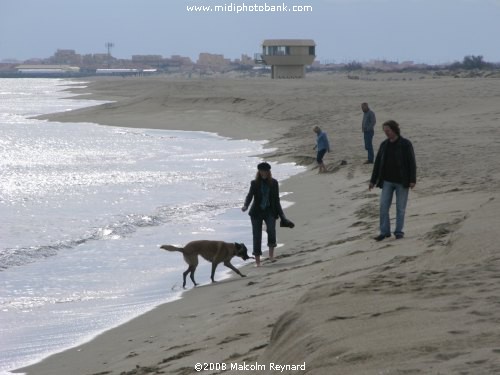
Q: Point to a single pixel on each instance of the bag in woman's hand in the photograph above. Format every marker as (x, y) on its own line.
(285, 223)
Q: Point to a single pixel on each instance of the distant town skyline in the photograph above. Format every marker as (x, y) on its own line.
(423, 31)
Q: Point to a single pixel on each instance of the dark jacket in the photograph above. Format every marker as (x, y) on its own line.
(405, 159)
(369, 121)
(255, 194)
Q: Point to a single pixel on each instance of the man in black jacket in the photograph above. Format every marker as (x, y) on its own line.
(266, 207)
(395, 170)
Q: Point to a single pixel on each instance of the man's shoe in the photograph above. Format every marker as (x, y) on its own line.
(381, 237)
(368, 162)
(399, 236)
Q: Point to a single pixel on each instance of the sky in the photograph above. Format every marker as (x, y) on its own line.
(423, 31)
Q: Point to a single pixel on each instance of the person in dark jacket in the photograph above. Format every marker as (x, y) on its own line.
(266, 207)
(368, 128)
(394, 171)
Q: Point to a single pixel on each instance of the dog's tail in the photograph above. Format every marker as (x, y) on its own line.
(172, 248)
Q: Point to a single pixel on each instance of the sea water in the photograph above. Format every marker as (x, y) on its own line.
(84, 209)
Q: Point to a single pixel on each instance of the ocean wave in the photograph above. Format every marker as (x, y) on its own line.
(31, 302)
(121, 227)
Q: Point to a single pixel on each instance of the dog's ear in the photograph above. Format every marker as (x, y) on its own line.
(237, 245)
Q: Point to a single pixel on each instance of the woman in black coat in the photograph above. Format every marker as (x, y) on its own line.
(266, 207)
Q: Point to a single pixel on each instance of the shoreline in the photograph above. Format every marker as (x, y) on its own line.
(223, 273)
(335, 299)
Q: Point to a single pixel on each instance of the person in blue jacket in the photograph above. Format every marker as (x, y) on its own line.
(322, 147)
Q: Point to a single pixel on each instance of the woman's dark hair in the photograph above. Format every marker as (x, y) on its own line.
(259, 178)
(394, 126)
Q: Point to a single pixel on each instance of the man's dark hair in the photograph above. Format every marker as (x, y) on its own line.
(394, 126)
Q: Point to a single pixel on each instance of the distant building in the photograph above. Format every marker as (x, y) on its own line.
(152, 60)
(66, 56)
(47, 69)
(246, 60)
(97, 60)
(181, 59)
(119, 71)
(180, 63)
(213, 62)
(288, 57)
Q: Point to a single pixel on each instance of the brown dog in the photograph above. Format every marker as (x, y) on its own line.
(213, 251)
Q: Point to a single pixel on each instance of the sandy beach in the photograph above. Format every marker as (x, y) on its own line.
(336, 301)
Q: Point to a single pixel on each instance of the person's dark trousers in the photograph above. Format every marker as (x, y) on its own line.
(268, 218)
(369, 144)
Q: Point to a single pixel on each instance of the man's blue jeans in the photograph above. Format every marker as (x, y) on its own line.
(368, 136)
(388, 190)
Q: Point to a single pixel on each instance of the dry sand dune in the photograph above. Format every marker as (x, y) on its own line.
(336, 300)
